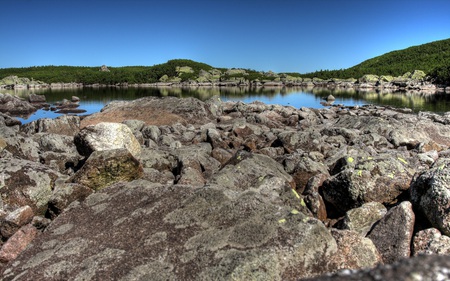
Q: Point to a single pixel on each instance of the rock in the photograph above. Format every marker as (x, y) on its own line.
(14, 220)
(22, 147)
(105, 167)
(15, 106)
(63, 195)
(198, 234)
(430, 241)
(104, 68)
(62, 125)
(380, 178)
(195, 164)
(75, 99)
(154, 111)
(17, 243)
(247, 170)
(354, 251)
(24, 182)
(369, 78)
(392, 234)
(33, 98)
(331, 98)
(106, 136)
(302, 168)
(424, 267)
(430, 194)
(363, 218)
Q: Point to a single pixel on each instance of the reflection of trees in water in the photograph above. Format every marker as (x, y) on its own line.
(413, 100)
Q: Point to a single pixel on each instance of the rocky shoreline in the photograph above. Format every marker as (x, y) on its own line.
(416, 81)
(180, 189)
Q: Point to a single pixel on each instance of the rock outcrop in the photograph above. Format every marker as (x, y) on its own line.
(180, 189)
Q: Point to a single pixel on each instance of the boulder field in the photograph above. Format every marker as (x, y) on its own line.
(180, 189)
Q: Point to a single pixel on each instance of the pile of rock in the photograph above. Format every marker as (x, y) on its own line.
(179, 189)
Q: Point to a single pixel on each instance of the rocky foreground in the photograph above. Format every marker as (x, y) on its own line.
(180, 189)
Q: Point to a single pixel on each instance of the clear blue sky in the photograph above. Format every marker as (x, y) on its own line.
(282, 36)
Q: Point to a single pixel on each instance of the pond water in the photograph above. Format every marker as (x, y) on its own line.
(94, 99)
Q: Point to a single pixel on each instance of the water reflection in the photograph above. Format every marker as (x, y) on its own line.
(93, 99)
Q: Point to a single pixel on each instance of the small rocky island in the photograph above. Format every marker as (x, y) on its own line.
(181, 189)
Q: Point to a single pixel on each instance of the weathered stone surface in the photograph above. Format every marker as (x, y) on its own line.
(354, 251)
(106, 167)
(380, 178)
(106, 136)
(24, 182)
(430, 241)
(17, 243)
(363, 218)
(33, 98)
(227, 191)
(393, 233)
(15, 106)
(62, 125)
(14, 220)
(63, 195)
(246, 170)
(188, 233)
(424, 267)
(154, 112)
(430, 193)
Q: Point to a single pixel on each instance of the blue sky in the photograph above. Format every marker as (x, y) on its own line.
(282, 36)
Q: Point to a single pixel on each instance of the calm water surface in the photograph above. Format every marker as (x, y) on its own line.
(94, 99)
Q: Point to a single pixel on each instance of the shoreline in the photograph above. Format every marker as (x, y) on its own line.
(393, 86)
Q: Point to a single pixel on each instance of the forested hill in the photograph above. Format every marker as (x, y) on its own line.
(432, 58)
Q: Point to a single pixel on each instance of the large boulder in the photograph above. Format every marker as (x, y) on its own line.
(142, 230)
(106, 136)
(363, 218)
(15, 106)
(154, 111)
(63, 125)
(392, 235)
(104, 168)
(381, 178)
(24, 182)
(430, 194)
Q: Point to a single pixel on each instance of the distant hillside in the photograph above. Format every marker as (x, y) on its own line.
(177, 70)
(427, 57)
(432, 58)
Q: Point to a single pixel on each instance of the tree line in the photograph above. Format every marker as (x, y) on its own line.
(432, 58)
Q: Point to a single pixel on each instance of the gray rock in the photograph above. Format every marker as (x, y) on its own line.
(363, 218)
(22, 147)
(195, 162)
(33, 98)
(184, 233)
(424, 267)
(393, 233)
(430, 193)
(106, 136)
(380, 178)
(248, 170)
(15, 106)
(24, 182)
(62, 125)
(63, 195)
(151, 132)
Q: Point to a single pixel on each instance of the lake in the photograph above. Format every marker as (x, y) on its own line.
(94, 99)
